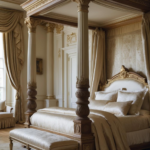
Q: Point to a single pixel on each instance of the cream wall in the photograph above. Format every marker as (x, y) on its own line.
(40, 53)
(124, 47)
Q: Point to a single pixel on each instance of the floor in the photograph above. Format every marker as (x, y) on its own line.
(4, 139)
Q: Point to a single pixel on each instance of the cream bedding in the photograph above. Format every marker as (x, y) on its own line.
(135, 123)
(108, 130)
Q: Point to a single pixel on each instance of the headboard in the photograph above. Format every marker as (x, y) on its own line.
(130, 81)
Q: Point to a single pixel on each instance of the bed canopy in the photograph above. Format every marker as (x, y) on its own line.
(39, 12)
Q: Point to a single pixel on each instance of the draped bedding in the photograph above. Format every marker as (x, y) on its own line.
(108, 130)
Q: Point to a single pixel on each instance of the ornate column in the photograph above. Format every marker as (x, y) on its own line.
(50, 100)
(31, 68)
(82, 124)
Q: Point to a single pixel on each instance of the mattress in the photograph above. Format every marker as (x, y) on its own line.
(135, 123)
(138, 137)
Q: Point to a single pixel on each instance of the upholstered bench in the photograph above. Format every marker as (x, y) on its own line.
(41, 140)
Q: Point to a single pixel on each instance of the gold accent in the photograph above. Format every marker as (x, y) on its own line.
(50, 27)
(83, 5)
(49, 97)
(71, 39)
(32, 23)
(59, 28)
(82, 81)
(125, 74)
(32, 84)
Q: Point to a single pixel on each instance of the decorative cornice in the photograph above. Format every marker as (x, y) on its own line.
(59, 28)
(83, 5)
(32, 23)
(15, 1)
(50, 27)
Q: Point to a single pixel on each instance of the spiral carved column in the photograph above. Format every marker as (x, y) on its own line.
(82, 124)
(31, 68)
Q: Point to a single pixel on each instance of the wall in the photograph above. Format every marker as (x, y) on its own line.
(124, 47)
(65, 65)
(40, 53)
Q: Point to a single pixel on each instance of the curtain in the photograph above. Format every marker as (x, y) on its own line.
(146, 43)
(11, 26)
(97, 70)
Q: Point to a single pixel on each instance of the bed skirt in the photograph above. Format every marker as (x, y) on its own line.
(7, 122)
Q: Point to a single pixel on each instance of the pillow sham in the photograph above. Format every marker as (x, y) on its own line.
(118, 108)
(108, 96)
(137, 98)
(97, 105)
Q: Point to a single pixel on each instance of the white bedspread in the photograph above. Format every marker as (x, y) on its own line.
(108, 130)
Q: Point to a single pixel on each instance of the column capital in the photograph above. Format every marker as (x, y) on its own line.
(50, 27)
(32, 23)
(59, 28)
(83, 5)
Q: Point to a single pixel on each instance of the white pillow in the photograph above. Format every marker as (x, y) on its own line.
(108, 96)
(97, 105)
(118, 108)
(137, 98)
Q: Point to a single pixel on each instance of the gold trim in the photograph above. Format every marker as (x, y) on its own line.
(59, 28)
(124, 74)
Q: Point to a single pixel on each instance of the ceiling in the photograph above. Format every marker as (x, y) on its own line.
(15, 1)
(98, 14)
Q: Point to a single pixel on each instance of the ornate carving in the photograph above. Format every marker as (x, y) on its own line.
(83, 5)
(71, 39)
(125, 74)
(59, 28)
(32, 23)
(82, 81)
(31, 92)
(50, 27)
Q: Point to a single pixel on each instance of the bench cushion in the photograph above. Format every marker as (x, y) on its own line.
(5, 115)
(43, 140)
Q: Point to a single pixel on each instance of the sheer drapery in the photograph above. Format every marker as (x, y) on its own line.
(146, 45)
(11, 26)
(97, 70)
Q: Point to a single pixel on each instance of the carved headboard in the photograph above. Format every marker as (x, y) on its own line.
(130, 81)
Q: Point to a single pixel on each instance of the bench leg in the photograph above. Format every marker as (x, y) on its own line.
(11, 144)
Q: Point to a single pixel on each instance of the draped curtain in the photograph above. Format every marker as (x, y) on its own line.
(146, 45)
(11, 26)
(97, 70)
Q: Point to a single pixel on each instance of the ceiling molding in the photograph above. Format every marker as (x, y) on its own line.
(123, 23)
(95, 24)
(35, 7)
(15, 1)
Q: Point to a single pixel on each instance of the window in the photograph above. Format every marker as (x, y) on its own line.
(2, 71)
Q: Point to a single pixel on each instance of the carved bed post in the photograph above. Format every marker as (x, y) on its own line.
(82, 124)
(31, 69)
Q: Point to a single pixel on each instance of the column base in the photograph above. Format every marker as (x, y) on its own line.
(51, 103)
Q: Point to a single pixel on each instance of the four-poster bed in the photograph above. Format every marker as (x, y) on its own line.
(81, 128)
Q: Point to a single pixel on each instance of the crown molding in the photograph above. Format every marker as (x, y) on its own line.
(14, 1)
(35, 7)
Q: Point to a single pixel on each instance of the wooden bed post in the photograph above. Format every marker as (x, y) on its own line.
(31, 69)
(82, 124)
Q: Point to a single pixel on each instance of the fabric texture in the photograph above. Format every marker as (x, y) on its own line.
(44, 140)
(137, 99)
(98, 70)
(134, 122)
(5, 115)
(108, 130)
(7, 122)
(11, 26)
(124, 47)
(118, 108)
(2, 105)
(108, 96)
(146, 46)
(97, 105)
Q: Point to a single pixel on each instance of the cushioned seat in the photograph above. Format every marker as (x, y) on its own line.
(5, 115)
(42, 140)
